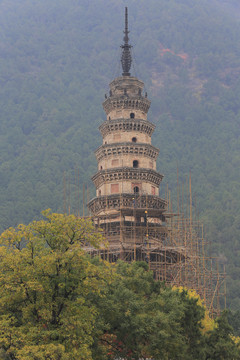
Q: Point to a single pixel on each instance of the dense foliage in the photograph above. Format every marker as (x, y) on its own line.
(45, 280)
(56, 303)
(57, 58)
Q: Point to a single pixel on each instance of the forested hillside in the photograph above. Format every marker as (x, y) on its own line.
(57, 58)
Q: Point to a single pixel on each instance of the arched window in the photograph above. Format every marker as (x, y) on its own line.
(135, 163)
(99, 192)
(136, 189)
(132, 115)
(134, 139)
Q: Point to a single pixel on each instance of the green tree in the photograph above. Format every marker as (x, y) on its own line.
(234, 321)
(46, 281)
(144, 319)
(141, 318)
(220, 344)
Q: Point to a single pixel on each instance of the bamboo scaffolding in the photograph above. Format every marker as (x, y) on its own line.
(172, 244)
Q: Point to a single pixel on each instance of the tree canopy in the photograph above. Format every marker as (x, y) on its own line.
(45, 281)
(57, 303)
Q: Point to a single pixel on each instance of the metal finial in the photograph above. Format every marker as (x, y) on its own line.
(126, 58)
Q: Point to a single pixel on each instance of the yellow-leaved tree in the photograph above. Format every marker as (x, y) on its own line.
(207, 322)
(46, 285)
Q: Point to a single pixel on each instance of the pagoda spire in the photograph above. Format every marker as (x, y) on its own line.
(126, 58)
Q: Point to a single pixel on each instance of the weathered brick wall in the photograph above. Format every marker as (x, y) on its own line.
(126, 136)
(125, 113)
(127, 187)
(126, 161)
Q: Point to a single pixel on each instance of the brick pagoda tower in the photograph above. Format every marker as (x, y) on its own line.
(127, 205)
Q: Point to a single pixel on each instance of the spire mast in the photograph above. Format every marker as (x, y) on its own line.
(126, 58)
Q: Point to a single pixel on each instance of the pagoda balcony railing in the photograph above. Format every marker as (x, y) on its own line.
(126, 201)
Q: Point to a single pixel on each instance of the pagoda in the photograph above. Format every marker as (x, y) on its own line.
(127, 205)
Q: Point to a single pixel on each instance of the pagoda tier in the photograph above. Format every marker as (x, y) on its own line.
(126, 94)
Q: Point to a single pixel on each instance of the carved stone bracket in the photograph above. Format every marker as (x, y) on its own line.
(121, 201)
(140, 125)
(125, 149)
(113, 102)
(119, 174)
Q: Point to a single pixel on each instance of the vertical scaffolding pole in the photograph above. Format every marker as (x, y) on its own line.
(69, 195)
(225, 288)
(204, 269)
(78, 186)
(83, 200)
(64, 193)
